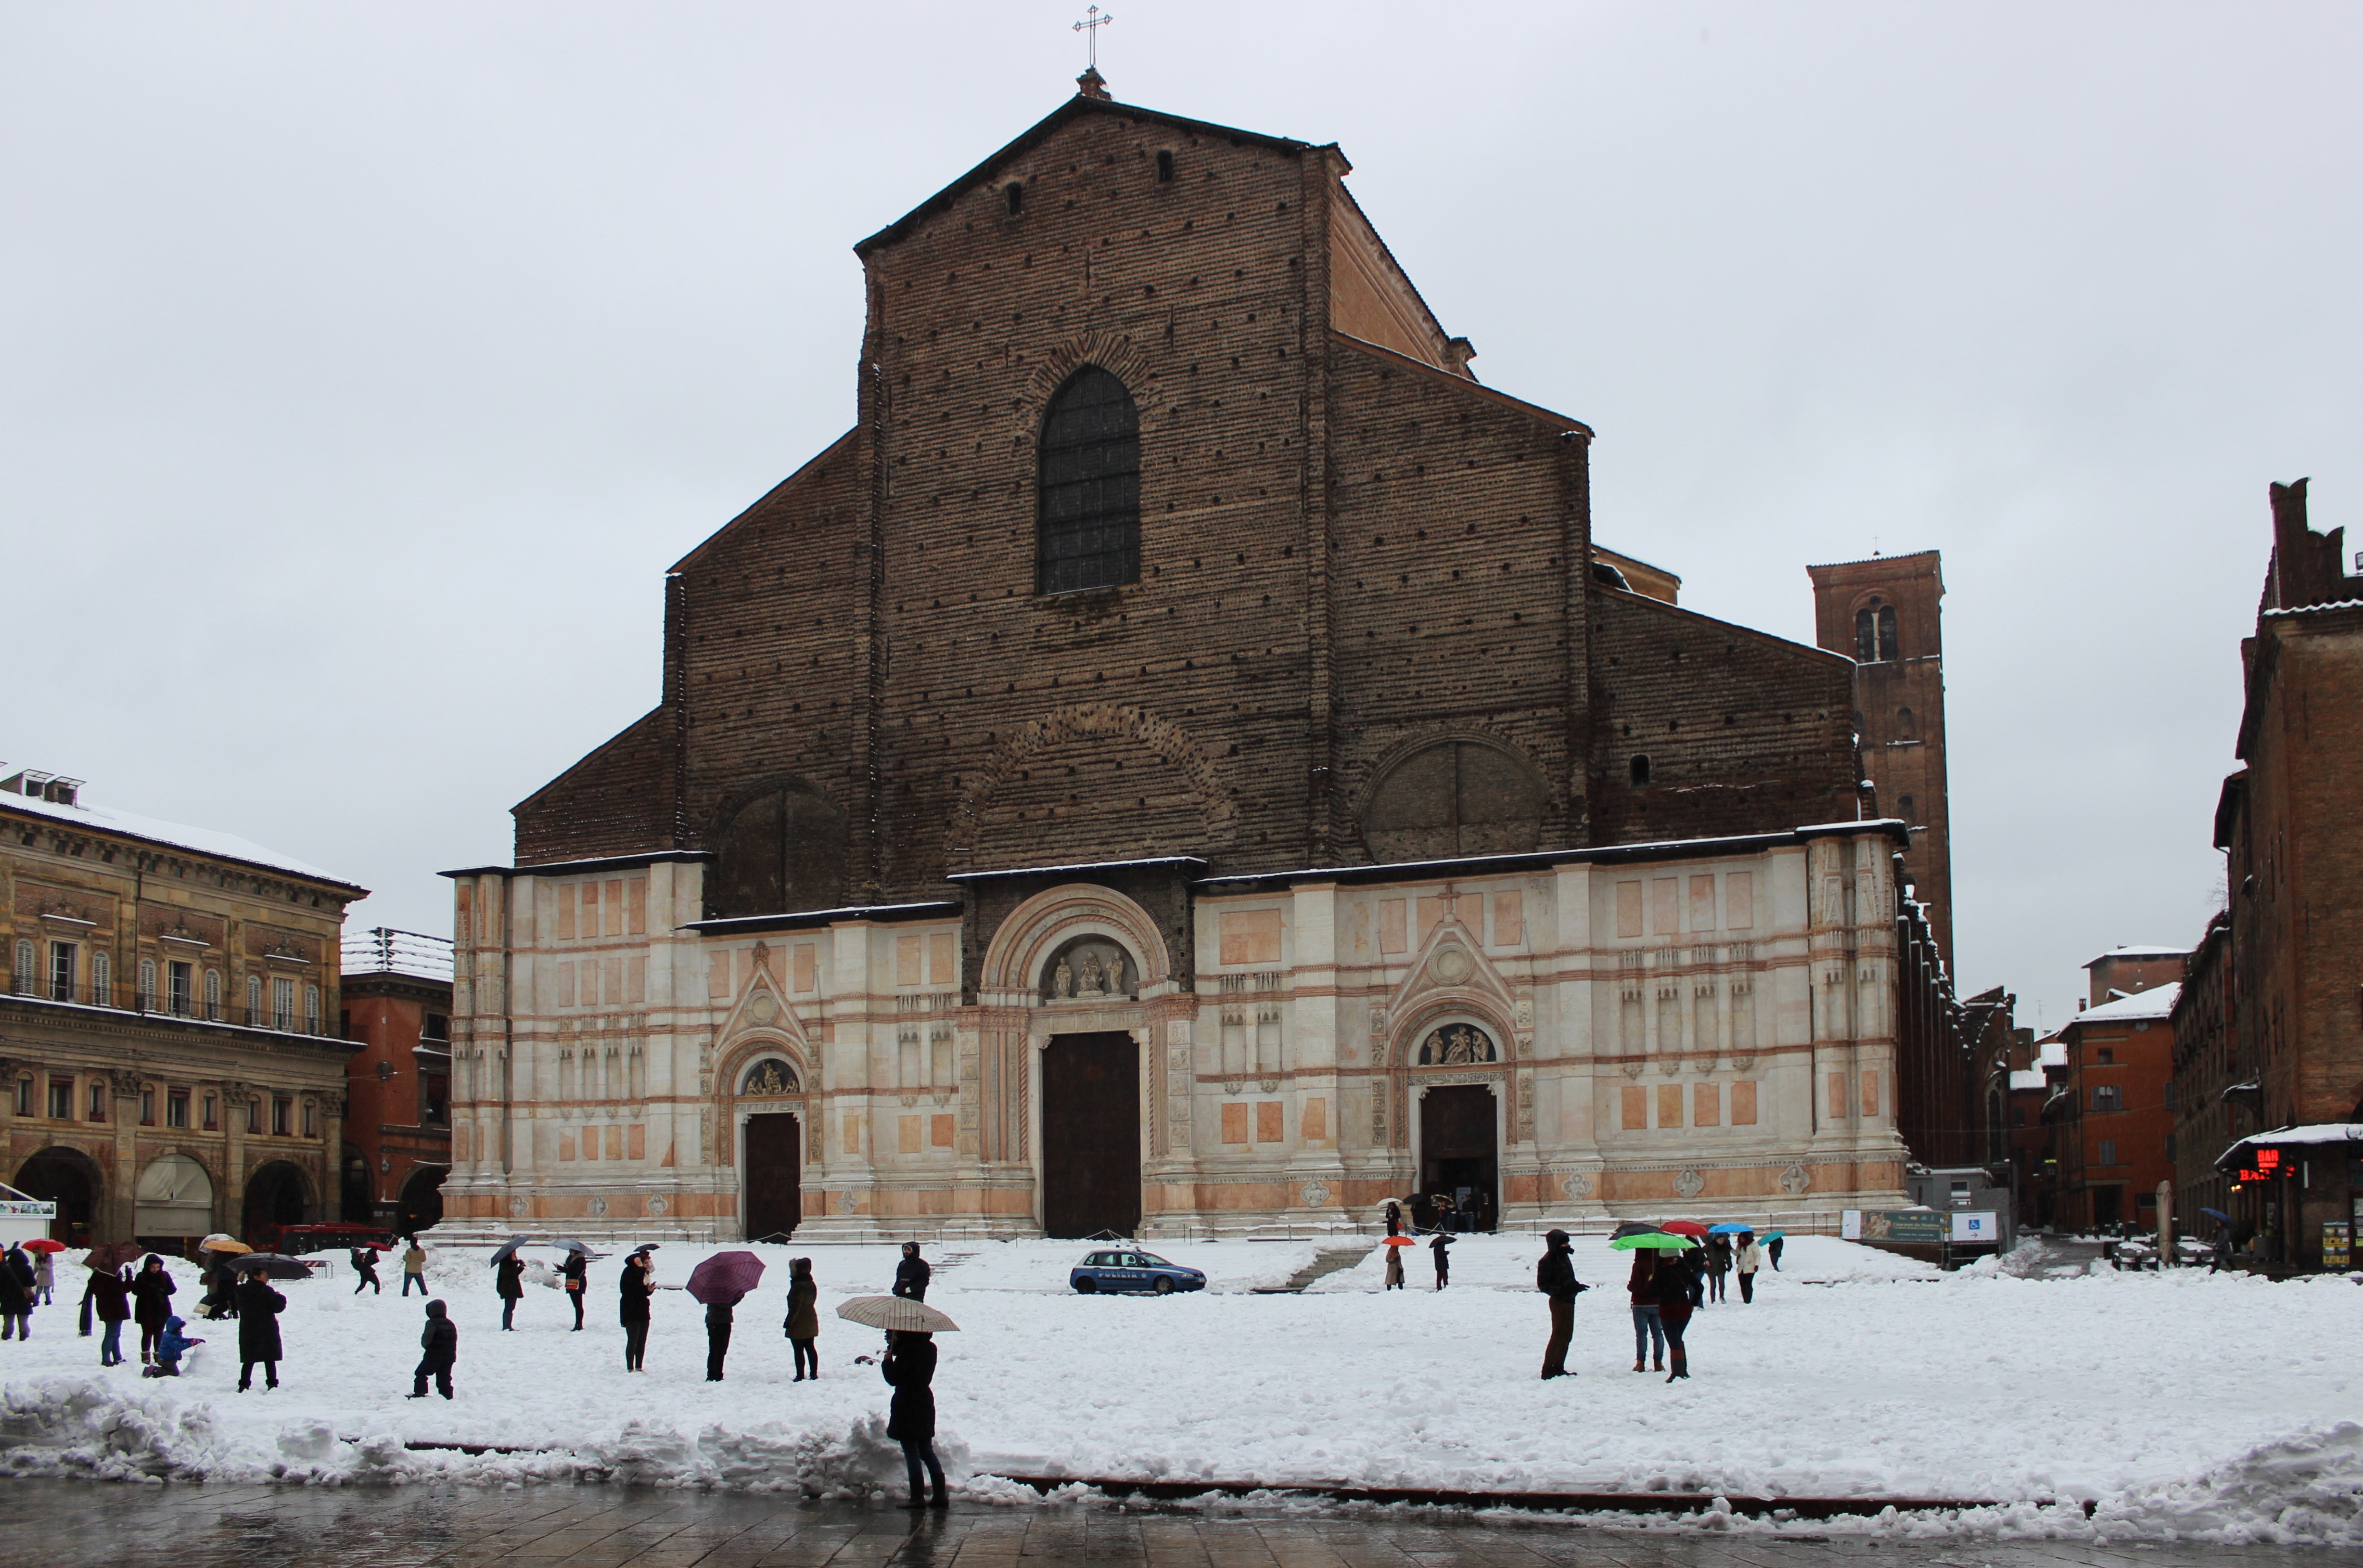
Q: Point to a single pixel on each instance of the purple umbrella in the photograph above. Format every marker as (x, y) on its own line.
(724, 1279)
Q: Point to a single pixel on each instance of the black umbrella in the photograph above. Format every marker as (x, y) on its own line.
(501, 1253)
(274, 1265)
(1635, 1227)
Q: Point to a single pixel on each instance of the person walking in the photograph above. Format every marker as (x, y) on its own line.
(803, 1326)
(1394, 1218)
(911, 1275)
(171, 1346)
(413, 1268)
(1717, 1263)
(910, 1366)
(1395, 1280)
(718, 1315)
(1443, 1259)
(509, 1280)
(1772, 1251)
(258, 1307)
(365, 1264)
(1649, 1328)
(16, 1285)
(1674, 1286)
(1751, 1259)
(439, 1342)
(151, 1304)
(633, 1289)
(45, 1278)
(577, 1272)
(110, 1298)
(222, 1300)
(1555, 1278)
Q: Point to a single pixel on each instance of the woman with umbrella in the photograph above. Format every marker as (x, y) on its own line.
(1395, 1245)
(1641, 1290)
(633, 1288)
(1673, 1287)
(109, 1294)
(44, 1269)
(508, 1279)
(576, 1273)
(151, 1304)
(722, 1282)
(910, 1366)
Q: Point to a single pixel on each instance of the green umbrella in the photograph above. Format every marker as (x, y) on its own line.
(1656, 1240)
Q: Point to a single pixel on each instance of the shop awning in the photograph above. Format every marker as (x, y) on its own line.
(2249, 1154)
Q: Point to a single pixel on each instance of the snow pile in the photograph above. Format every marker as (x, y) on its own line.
(1854, 1374)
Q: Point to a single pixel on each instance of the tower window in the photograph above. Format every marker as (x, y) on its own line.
(1907, 810)
(1640, 770)
(1089, 494)
(1016, 194)
(1907, 728)
(1874, 634)
(1164, 168)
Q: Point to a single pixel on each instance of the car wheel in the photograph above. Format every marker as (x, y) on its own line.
(1163, 1288)
(1086, 1287)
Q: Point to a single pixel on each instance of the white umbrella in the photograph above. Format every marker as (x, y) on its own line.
(897, 1313)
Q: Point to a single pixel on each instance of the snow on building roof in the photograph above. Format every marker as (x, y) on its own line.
(201, 841)
(383, 950)
(2287, 1137)
(2143, 950)
(2051, 1052)
(2155, 1002)
(2026, 1078)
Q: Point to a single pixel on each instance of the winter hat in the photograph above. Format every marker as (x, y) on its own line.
(435, 1310)
(1555, 1237)
(173, 1325)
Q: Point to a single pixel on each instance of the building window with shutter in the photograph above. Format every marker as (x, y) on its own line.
(1087, 494)
(21, 979)
(2108, 1097)
(146, 984)
(102, 980)
(311, 1009)
(282, 1003)
(214, 995)
(2108, 1151)
(311, 1120)
(176, 1109)
(180, 987)
(98, 1101)
(62, 966)
(61, 1099)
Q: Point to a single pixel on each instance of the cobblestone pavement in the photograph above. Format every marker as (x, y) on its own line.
(64, 1524)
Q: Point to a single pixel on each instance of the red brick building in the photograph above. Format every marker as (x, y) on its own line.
(397, 1010)
(1179, 592)
(2287, 823)
(2113, 1126)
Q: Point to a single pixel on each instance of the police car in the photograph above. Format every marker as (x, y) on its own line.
(1128, 1268)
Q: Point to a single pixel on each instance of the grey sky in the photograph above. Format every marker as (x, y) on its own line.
(362, 368)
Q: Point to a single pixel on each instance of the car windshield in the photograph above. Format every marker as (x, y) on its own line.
(1150, 1259)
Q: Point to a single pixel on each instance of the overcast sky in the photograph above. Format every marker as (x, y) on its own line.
(362, 367)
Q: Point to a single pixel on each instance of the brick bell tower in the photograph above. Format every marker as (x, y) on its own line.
(1882, 613)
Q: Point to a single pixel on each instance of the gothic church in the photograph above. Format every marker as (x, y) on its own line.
(1178, 762)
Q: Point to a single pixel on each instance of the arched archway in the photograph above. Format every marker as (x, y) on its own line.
(768, 1091)
(276, 1194)
(358, 1204)
(72, 1180)
(172, 1199)
(421, 1204)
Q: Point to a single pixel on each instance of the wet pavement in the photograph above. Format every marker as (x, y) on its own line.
(65, 1524)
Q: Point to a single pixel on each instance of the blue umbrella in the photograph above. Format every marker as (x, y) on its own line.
(1774, 1235)
(1728, 1230)
(2216, 1214)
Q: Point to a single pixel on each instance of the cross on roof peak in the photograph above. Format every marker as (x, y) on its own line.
(1093, 84)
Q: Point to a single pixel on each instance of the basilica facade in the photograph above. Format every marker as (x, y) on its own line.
(1180, 762)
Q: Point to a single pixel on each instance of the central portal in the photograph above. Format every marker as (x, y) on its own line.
(774, 1200)
(1457, 1153)
(1090, 1135)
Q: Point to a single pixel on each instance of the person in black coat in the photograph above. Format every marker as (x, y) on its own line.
(441, 1342)
(258, 1307)
(910, 1366)
(1443, 1239)
(1555, 1278)
(718, 1315)
(1395, 1218)
(912, 1273)
(151, 1304)
(577, 1272)
(221, 1299)
(1677, 1298)
(16, 1295)
(365, 1266)
(632, 1309)
(110, 1295)
(1772, 1251)
(508, 1278)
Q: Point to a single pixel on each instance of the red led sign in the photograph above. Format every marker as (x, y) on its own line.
(2267, 1165)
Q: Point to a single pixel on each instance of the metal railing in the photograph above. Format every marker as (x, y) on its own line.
(194, 1009)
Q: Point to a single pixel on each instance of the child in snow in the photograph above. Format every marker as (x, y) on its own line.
(171, 1346)
(440, 1341)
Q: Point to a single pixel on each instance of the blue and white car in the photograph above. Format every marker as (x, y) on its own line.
(1129, 1268)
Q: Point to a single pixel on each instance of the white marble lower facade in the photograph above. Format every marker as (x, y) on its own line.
(1683, 1028)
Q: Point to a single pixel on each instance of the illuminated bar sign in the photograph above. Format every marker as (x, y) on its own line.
(2263, 1166)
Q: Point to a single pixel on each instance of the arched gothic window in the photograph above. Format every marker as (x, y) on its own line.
(1457, 798)
(781, 848)
(1088, 488)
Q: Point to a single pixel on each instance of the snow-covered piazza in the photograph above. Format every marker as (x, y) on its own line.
(2150, 1406)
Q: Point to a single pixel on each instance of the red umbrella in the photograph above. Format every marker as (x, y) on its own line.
(1684, 1228)
(43, 1244)
(1401, 1241)
(725, 1278)
(113, 1255)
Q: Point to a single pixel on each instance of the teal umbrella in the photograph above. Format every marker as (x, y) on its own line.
(1655, 1241)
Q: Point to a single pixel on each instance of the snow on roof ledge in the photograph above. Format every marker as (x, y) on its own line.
(2296, 1137)
(199, 841)
(2142, 950)
(2157, 1002)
